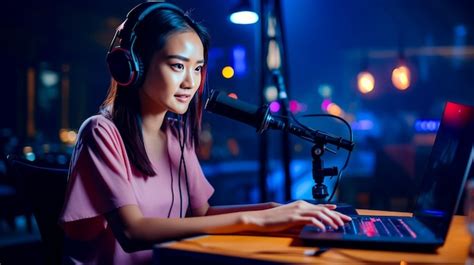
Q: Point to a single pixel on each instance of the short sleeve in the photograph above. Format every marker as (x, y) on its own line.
(200, 188)
(100, 174)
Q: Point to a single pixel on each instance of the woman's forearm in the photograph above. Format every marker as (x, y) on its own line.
(138, 233)
(216, 210)
(149, 231)
(182, 227)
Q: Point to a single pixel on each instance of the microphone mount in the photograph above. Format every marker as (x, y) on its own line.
(320, 191)
(319, 140)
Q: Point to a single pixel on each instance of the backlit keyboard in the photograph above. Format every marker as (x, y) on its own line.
(374, 227)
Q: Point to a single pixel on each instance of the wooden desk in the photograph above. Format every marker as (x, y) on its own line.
(243, 249)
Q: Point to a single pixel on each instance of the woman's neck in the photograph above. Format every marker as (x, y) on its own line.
(152, 116)
(152, 123)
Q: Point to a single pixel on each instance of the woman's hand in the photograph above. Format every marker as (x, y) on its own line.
(297, 213)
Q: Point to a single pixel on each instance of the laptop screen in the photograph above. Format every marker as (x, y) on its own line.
(447, 169)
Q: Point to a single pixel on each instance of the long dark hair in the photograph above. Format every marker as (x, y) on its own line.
(122, 104)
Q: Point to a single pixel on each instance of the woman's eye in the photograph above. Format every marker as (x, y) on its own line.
(199, 68)
(177, 66)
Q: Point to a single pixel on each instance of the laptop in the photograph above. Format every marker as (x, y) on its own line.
(440, 191)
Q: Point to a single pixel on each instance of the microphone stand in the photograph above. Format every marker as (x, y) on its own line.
(320, 191)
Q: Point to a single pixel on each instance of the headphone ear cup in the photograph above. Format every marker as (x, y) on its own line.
(122, 66)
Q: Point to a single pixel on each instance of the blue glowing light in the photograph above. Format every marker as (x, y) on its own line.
(239, 56)
(426, 126)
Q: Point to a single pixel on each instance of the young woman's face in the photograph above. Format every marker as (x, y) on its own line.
(174, 74)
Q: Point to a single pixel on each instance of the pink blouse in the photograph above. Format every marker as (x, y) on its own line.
(102, 179)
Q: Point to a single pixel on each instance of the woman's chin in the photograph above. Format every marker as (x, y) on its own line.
(179, 111)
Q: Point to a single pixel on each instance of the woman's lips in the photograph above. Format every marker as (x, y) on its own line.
(183, 98)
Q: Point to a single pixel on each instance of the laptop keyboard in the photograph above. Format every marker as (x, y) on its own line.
(374, 227)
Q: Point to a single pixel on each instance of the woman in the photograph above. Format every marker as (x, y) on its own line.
(134, 177)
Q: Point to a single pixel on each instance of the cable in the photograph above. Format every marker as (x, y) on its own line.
(190, 206)
(172, 190)
(338, 179)
(326, 115)
(182, 164)
(179, 167)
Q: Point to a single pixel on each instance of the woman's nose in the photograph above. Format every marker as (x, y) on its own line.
(189, 80)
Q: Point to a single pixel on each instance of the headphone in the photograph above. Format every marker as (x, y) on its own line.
(124, 65)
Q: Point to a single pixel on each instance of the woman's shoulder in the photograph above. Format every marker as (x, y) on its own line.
(97, 122)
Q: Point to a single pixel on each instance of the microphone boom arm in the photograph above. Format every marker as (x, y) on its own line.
(316, 137)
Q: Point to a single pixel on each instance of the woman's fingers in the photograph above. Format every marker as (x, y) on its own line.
(323, 214)
(329, 206)
(334, 216)
(310, 220)
(326, 219)
(301, 213)
(326, 215)
(342, 216)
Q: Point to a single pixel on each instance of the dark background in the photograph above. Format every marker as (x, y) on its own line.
(327, 44)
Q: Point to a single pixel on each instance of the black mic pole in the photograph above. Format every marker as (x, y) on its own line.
(263, 154)
(283, 100)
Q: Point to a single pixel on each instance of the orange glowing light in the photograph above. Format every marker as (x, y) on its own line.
(365, 82)
(334, 109)
(401, 77)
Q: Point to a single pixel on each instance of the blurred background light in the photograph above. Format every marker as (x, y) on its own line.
(239, 56)
(401, 77)
(275, 106)
(325, 90)
(334, 109)
(228, 72)
(365, 82)
(271, 93)
(233, 95)
(273, 56)
(325, 105)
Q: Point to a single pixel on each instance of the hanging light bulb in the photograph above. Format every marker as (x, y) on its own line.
(365, 79)
(365, 82)
(401, 77)
(243, 14)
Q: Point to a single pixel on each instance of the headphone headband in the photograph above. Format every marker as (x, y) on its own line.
(138, 14)
(124, 65)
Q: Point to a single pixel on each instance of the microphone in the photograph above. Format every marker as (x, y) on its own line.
(261, 119)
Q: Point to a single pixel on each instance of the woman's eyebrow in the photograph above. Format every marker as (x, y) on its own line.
(179, 57)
